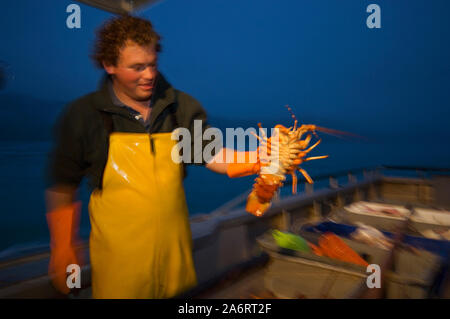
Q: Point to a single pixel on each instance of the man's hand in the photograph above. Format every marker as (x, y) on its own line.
(63, 222)
(59, 260)
(234, 163)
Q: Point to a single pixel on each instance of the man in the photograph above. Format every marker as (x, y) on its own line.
(120, 137)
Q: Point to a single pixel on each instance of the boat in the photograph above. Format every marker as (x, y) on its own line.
(233, 260)
(235, 256)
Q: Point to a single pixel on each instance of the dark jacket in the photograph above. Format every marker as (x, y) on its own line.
(82, 140)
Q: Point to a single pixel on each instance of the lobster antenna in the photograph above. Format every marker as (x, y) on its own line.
(292, 115)
(340, 134)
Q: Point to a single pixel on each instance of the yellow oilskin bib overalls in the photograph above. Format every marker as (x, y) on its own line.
(140, 242)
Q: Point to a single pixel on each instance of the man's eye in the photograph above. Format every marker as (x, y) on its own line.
(143, 67)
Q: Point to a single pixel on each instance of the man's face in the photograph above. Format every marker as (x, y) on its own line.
(135, 72)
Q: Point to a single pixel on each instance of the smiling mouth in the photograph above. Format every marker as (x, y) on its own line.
(146, 86)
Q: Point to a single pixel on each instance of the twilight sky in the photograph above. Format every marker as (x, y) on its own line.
(246, 59)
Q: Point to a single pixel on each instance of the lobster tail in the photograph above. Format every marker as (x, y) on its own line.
(259, 200)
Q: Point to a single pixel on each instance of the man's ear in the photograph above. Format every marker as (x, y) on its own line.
(110, 69)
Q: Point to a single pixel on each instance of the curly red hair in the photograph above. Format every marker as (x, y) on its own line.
(115, 33)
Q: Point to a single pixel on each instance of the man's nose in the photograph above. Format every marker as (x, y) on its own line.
(149, 73)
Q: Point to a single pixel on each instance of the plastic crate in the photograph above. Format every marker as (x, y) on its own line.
(295, 274)
(390, 218)
(372, 214)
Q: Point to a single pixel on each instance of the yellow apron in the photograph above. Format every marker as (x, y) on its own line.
(140, 242)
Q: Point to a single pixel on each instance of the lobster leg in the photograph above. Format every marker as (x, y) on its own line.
(259, 138)
(294, 182)
(314, 158)
(309, 149)
(308, 178)
(262, 131)
(264, 141)
(264, 144)
(263, 134)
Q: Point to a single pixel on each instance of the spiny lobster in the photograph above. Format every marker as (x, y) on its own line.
(282, 154)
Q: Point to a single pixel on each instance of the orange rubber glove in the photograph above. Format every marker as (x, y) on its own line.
(63, 225)
(246, 168)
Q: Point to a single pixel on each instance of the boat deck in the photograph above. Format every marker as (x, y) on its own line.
(244, 284)
(228, 259)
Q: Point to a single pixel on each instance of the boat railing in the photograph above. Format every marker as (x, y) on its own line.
(352, 176)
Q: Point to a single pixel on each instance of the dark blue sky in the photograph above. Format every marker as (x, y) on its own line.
(246, 59)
